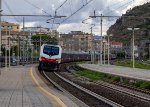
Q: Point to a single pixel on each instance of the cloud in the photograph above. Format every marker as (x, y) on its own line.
(106, 7)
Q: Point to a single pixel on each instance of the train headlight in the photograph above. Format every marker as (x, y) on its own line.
(58, 60)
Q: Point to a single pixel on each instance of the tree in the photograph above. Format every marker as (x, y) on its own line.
(44, 39)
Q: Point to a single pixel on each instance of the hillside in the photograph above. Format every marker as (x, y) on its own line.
(119, 29)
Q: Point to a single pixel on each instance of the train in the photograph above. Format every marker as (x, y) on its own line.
(52, 56)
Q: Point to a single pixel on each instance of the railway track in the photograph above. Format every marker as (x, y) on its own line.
(121, 96)
(146, 91)
(90, 98)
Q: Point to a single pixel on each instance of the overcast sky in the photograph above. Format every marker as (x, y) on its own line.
(36, 7)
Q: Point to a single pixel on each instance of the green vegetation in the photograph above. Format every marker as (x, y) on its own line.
(94, 76)
(128, 63)
(116, 78)
(119, 29)
(45, 37)
(97, 75)
(35, 53)
(142, 84)
(81, 62)
(91, 74)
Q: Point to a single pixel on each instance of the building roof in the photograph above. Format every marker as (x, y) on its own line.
(9, 24)
(96, 37)
(116, 43)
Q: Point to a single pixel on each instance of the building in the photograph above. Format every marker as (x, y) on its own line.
(13, 27)
(97, 43)
(40, 30)
(144, 48)
(76, 41)
(116, 47)
(115, 44)
(9, 30)
(54, 33)
(36, 30)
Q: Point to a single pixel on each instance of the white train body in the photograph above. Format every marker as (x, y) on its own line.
(50, 57)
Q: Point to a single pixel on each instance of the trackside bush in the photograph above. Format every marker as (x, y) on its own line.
(116, 78)
(138, 83)
(145, 85)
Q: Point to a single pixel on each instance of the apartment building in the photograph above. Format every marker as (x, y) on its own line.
(76, 41)
(9, 30)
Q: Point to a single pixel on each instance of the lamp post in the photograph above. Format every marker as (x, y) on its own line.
(6, 51)
(149, 50)
(133, 30)
(18, 51)
(92, 46)
(40, 38)
(0, 33)
(9, 38)
(24, 42)
(9, 50)
(31, 47)
(109, 47)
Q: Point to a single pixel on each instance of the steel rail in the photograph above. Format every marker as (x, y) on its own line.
(107, 101)
(59, 87)
(124, 92)
(102, 84)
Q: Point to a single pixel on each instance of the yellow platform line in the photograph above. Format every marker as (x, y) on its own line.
(55, 98)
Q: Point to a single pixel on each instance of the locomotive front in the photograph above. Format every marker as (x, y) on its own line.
(50, 57)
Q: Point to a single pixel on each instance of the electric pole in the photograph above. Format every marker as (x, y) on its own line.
(92, 46)
(23, 44)
(101, 41)
(101, 48)
(0, 34)
(92, 55)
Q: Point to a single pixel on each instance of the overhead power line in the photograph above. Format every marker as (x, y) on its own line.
(77, 11)
(115, 4)
(121, 6)
(10, 10)
(61, 5)
(36, 7)
(26, 15)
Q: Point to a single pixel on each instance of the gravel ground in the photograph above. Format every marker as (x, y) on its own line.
(91, 101)
(113, 95)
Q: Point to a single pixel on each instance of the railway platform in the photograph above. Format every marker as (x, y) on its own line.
(20, 86)
(135, 73)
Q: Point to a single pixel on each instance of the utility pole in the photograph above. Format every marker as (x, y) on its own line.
(101, 49)
(40, 38)
(92, 46)
(18, 50)
(0, 35)
(27, 50)
(92, 54)
(23, 43)
(133, 57)
(101, 41)
(9, 48)
(149, 50)
(133, 48)
(108, 49)
(6, 51)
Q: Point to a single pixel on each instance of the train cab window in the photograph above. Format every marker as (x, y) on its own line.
(51, 50)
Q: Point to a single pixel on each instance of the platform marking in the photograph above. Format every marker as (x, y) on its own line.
(55, 98)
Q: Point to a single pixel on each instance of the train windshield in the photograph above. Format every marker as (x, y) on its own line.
(51, 50)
